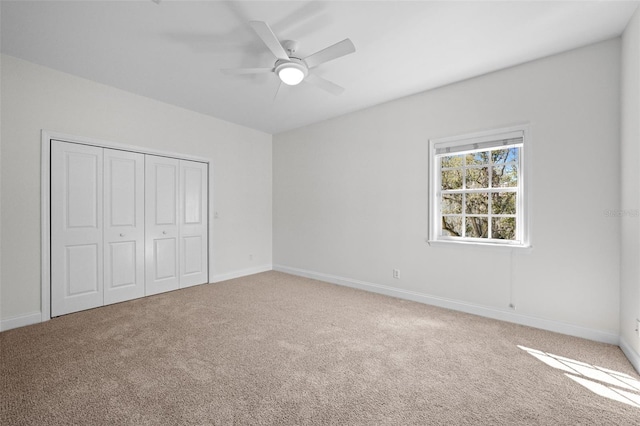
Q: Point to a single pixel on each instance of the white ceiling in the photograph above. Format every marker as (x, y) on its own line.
(173, 51)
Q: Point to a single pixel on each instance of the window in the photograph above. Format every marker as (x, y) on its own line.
(478, 192)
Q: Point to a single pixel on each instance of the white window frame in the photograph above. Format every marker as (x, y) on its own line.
(473, 142)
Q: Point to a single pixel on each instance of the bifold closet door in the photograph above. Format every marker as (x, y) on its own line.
(193, 223)
(76, 227)
(161, 224)
(123, 226)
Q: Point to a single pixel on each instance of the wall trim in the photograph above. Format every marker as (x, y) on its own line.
(20, 321)
(630, 353)
(241, 273)
(470, 308)
(37, 317)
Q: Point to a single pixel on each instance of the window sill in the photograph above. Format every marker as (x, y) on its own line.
(481, 246)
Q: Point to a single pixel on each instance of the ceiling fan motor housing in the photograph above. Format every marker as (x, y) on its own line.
(291, 46)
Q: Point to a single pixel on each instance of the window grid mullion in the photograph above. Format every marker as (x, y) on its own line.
(463, 229)
(463, 225)
(479, 190)
(489, 198)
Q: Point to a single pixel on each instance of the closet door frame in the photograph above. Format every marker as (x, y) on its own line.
(45, 202)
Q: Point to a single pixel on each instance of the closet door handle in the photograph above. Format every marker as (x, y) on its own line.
(122, 235)
(164, 232)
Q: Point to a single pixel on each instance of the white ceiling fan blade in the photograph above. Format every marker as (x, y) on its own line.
(269, 38)
(330, 53)
(236, 71)
(277, 91)
(324, 84)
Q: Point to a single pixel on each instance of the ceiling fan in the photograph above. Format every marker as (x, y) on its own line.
(293, 70)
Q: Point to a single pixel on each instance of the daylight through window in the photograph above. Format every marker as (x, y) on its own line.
(477, 189)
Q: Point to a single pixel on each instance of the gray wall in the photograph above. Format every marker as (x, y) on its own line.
(35, 98)
(350, 196)
(630, 187)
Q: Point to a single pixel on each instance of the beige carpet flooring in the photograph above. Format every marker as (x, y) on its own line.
(277, 349)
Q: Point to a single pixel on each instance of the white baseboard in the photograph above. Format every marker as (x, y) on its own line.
(241, 273)
(20, 321)
(36, 317)
(545, 324)
(503, 315)
(630, 353)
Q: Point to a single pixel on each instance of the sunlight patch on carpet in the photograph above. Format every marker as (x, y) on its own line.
(607, 383)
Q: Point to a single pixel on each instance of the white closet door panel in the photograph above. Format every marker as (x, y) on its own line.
(82, 270)
(193, 223)
(166, 188)
(161, 224)
(165, 253)
(192, 255)
(123, 225)
(76, 228)
(123, 266)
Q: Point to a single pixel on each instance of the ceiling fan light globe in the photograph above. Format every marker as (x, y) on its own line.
(291, 76)
(291, 73)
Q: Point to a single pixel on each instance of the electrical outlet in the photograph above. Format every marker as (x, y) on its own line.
(396, 274)
(250, 257)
